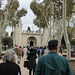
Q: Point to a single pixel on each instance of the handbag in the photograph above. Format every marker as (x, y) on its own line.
(25, 63)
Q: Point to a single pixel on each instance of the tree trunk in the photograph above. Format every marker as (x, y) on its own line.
(49, 34)
(42, 38)
(0, 37)
(50, 31)
(2, 28)
(0, 47)
(51, 24)
(60, 33)
(5, 47)
(53, 35)
(0, 42)
(65, 32)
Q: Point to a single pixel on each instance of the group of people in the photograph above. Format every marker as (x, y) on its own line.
(49, 64)
(23, 52)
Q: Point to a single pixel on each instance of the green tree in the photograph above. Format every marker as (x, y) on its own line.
(70, 31)
(9, 17)
(53, 8)
(13, 13)
(3, 25)
(21, 13)
(44, 11)
(7, 41)
(42, 16)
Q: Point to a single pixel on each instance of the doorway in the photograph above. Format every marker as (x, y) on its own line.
(31, 43)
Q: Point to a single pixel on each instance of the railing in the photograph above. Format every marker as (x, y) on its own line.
(32, 32)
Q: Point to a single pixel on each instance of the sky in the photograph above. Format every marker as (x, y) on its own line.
(26, 20)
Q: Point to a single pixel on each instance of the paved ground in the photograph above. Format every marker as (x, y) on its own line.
(25, 71)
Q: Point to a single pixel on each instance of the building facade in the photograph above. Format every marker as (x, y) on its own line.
(29, 38)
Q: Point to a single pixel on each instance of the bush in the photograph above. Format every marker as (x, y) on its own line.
(7, 41)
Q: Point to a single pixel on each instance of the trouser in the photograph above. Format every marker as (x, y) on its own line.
(39, 56)
(19, 58)
(30, 71)
(25, 57)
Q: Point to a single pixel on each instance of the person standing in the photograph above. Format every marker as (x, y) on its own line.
(52, 63)
(25, 52)
(31, 61)
(61, 50)
(19, 53)
(39, 52)
(42, 51)
(9, 66)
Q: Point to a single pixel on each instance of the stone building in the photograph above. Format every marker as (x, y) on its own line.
(29, 38)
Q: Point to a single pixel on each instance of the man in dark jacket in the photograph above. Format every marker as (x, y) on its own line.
(52, 63)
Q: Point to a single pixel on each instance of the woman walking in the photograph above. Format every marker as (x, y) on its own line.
(31, 61)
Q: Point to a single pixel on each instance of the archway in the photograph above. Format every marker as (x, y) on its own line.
(32, 41)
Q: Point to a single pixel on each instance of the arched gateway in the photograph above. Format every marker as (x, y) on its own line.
(32, 41)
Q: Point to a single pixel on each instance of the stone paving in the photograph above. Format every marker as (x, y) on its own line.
(25, 71)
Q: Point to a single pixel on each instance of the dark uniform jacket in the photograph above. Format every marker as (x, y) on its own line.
(53, 64)
(31, 60)
(9, 68)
